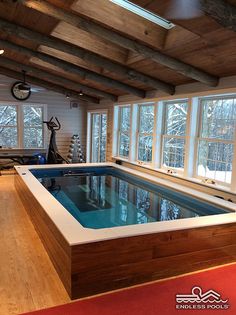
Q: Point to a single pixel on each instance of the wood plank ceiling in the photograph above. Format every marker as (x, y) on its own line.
(106, 51)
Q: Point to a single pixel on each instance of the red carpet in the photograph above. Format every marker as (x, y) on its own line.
(160, 297)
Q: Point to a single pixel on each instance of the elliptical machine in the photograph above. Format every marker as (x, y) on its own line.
(53, 156)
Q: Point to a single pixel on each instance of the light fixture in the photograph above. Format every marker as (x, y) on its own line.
(1, 51)
(81, 93)
(144, 13)
(67, 95)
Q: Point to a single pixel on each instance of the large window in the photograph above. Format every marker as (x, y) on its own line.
(145, 132)
(192, 137)
(216, 139)
(124, 131)
(21, 126)
(174, 134)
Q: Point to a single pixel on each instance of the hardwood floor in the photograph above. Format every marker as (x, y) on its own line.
(28, 280)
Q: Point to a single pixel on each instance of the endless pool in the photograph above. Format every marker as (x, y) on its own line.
(105, 226)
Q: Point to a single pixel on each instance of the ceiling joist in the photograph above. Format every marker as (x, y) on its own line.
(77, 51)
(147, 52)
(71, 68)
(41, 74)
(48, 85)
(221, 11)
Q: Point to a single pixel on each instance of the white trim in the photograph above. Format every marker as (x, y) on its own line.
(191, 131)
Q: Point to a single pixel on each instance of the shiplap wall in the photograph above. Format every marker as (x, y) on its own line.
(73, 121)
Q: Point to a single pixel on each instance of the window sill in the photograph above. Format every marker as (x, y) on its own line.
(177, 175)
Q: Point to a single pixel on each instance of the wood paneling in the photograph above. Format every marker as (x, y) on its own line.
(124, 262)
(67, 57)
(90, 42)
(115, 17)
(199, 42)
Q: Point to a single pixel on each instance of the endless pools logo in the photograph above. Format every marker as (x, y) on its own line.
(200, 301)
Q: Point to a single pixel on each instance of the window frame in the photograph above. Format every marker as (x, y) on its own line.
(126, 133)
(166, 136)
(20, 125)
(199, 138)
(90, 114)
(12, 126)
(138, 133)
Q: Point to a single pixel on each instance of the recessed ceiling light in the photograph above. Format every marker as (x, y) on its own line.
(1, 51)
(144, 13)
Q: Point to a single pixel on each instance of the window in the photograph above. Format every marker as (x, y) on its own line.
(193, 141)
(98, 137)
(124, 131)
(216, 139)
(145, 132)
(8, 126)
(21, 126)
(174, 134)
(33, 126)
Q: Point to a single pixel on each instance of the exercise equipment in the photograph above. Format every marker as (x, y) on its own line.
(75, 154)
(53, 156)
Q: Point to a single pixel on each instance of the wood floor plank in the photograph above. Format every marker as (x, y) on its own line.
(28, 279)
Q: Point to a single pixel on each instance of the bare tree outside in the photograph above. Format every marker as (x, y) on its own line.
(32, 126)
(216, 141)
(145, 138)
(174, 134)
(124, 132)
(8, 126)
(99, 137)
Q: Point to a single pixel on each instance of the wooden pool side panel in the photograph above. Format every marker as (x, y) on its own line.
(93, 268)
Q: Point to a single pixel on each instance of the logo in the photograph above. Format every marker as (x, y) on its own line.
(200, 301)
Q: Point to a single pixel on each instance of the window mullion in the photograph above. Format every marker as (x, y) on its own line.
(157, 135)
(20, 126)
(133, 132)
(191, 132)
(233, 178)
(116, 131)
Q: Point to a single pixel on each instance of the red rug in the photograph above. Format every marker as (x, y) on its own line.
(207, 292)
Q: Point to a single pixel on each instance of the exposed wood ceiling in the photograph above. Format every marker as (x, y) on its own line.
(106, 51)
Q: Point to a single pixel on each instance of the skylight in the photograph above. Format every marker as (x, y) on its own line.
(144, 13)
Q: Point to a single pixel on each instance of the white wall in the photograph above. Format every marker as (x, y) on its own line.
(73, 121)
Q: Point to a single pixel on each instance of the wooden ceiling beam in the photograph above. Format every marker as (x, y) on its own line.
(221, 11)
(71, 68)
(42, 74)
(47, 85)
(147, 52)
(77, 51)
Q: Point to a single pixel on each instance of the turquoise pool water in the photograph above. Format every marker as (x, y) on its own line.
(104, 197)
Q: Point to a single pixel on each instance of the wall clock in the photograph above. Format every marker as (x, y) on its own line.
(21, 91)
